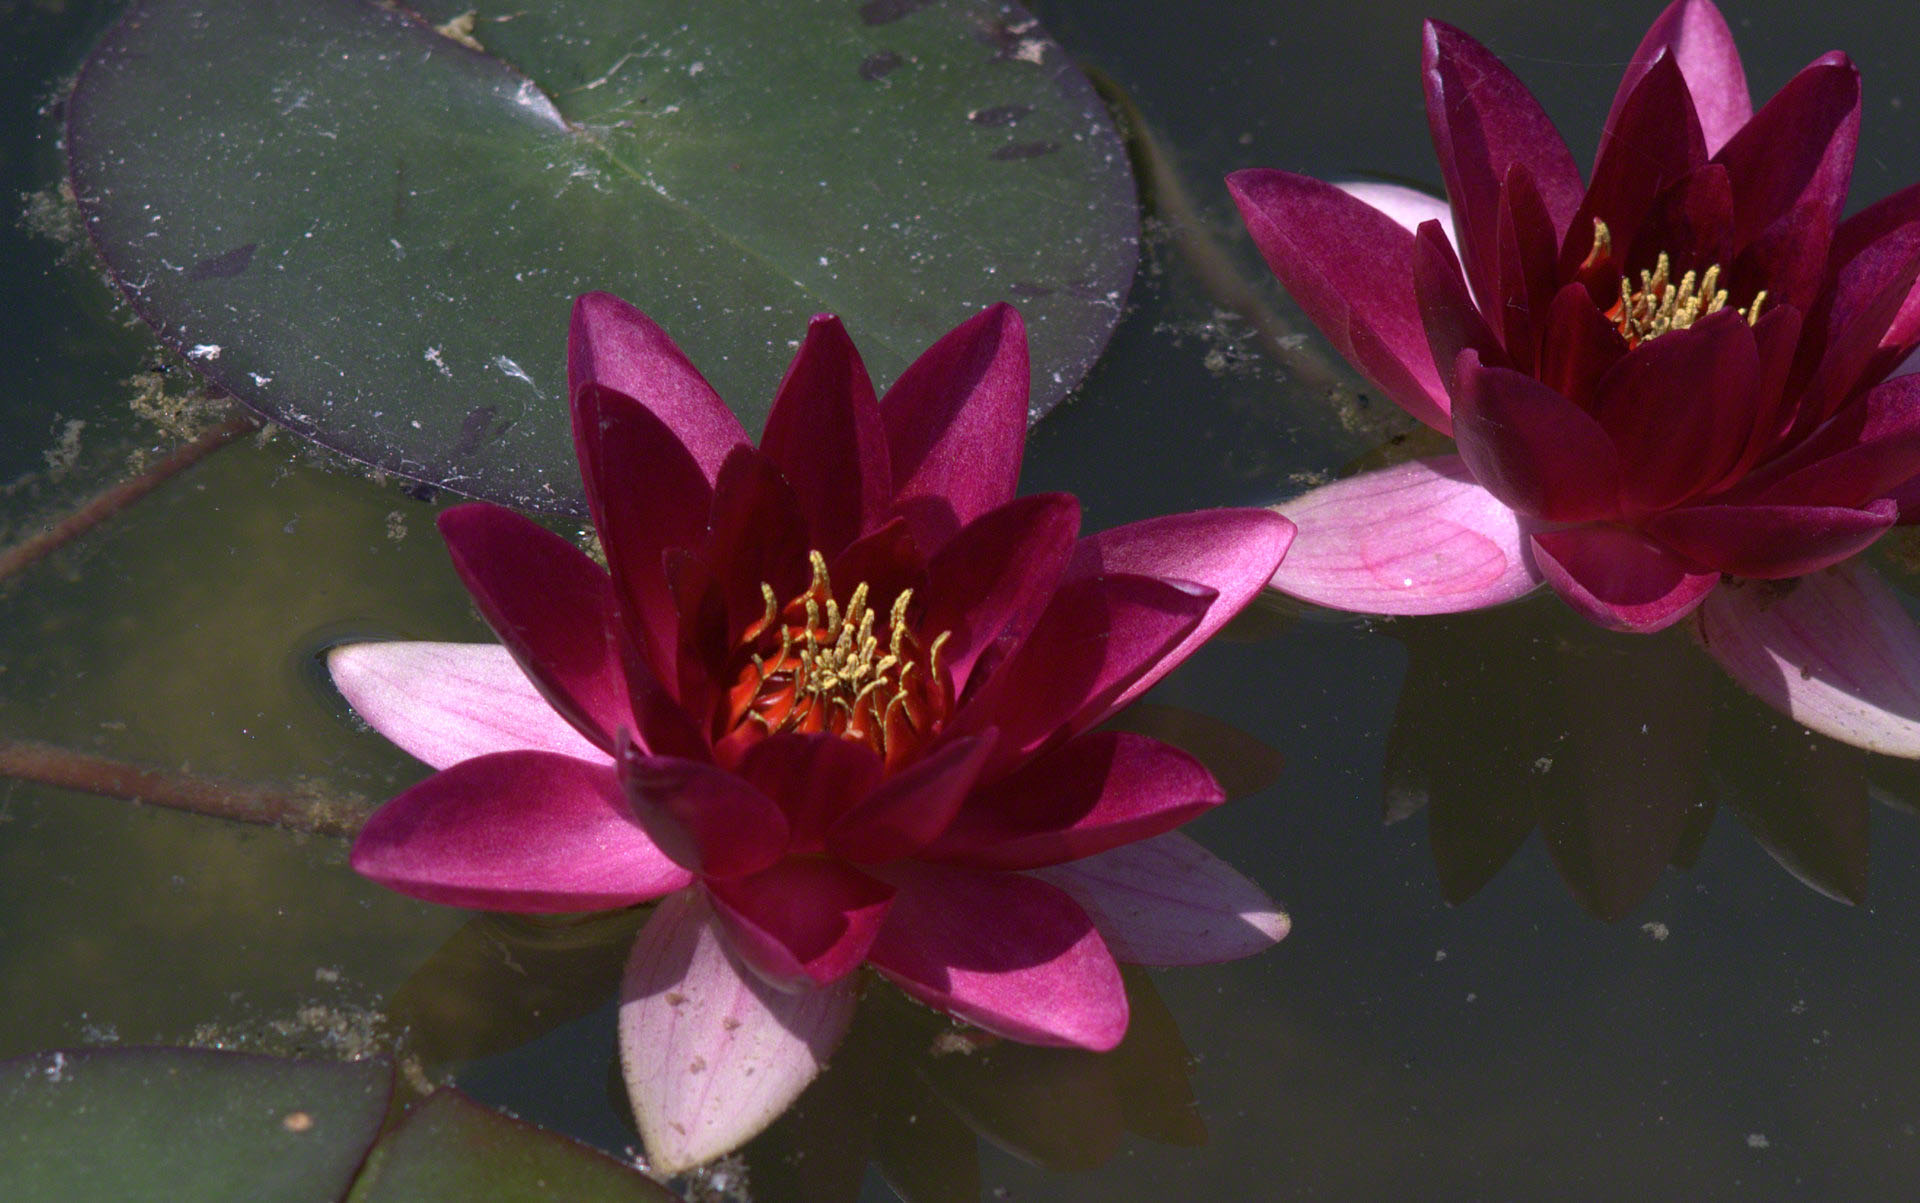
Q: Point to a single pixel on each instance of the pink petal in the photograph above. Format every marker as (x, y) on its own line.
(553, 608)
(1421, 537)
(1695, 34)
(1772, 541)
(1350, 268)
(912, 808)
(711, 1053)
(804, 922)
(1090, 794)
(516, 831)
(1234, 552)
(704, 817)
(1409, 207)
(824, 434)
(1835, 651)
(815, 779)
(1532, 448)
(1453, 321)
(1004, 951)
(448, 702)
(1097, 637)
(956, 424)
(1168, 901)
(615, 345)
(997, 574)
(1619, 578)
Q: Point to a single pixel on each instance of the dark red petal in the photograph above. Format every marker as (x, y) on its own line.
(1772, 541)
(1579, 346)
(705, 818)
(886, 560)
(1654, 143)
(1349, 267)
(552, 607)
(1619, 578)
(911, 809)
(1092, 793)
(1776, 338)
(1538, 452)
(759, 536)
(1097, 637)
(1452, 321)
(824, 434)
(1484, 121)
(655, 497)
(1003, 951)
(516, 831)
(814, 778)
(1680, 409)
(997, 574)
(803, 922)
(956, 423)
(1233, 552)
(1865, 452)
(1864, 229)
(1695, 35)
(1868, 296)
(614, 345)
(1526, 245)
(1693, 221)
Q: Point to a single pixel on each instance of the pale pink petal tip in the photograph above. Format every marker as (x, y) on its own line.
(1417, 538)
(447, 702)
(711, 1053)
(1834, 651)
(1168, 901)
(1408, 207)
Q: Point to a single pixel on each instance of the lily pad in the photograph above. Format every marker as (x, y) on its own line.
(164, 1124)
(371, 230)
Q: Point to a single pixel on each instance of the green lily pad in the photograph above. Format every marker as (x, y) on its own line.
(371, 231)
(453, 1150)
(127, 1125)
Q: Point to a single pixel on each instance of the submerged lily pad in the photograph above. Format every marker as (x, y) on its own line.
(164, 1124)
(371, 230)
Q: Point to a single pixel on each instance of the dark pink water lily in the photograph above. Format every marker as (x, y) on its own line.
(1667, 383)
(833, 705)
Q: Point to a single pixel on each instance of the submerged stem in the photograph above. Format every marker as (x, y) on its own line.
(294, 810)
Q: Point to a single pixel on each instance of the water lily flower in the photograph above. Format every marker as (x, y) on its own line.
(833, 704)
(1667, 384)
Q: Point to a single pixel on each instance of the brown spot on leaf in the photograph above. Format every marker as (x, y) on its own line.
(297, 1121)
(224, 265)
(880, 12)
(878, 64)
(1024, 150)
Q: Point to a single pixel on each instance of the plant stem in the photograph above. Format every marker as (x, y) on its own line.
(294, 810)
(105, 504)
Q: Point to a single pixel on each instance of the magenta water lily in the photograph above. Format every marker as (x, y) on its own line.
(1667, 383)
(833, 702)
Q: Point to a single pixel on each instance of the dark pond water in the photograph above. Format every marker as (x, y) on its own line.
(1739, 1034)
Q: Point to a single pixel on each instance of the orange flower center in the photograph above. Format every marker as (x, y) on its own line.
(813, 665)
(1658, 304)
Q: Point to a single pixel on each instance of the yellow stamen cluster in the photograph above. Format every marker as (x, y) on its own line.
(839, 675)
(1659, 304)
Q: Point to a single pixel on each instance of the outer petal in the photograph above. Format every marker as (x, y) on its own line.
(711, 1053)
(1772, 541)
(1453, 322)
(1695, 35)
(615, 345)
(1535, 450)
(1234, 552)
(448, 702)
(704, 817)
(1418, 538)
(1350, 268)
(1619, 578)
(804, 922)
(1004, 951)
(1834, 650)
(956, 424)
(516, 831)
(1090, 794)
(1098, 637)
(912, 808)
(1410, 208)
(553, 608)
(1867, 451)
(825, 436)
(1168, 901)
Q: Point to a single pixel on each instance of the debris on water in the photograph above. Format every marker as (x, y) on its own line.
(1656, 929)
